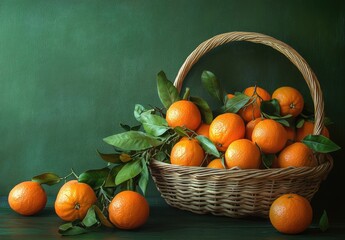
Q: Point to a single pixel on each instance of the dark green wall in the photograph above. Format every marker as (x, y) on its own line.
(71, 71)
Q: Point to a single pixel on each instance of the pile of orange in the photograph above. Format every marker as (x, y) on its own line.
(127, 210)
(242, 138)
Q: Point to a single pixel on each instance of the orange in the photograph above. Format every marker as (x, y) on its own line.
(291, 213)
(27, 198)
(290, 100)
(216, 163)
(296, 155)
(244, 154)
(128, 210)
(203, 130)
(250, 127)
(308, 128)
(252, 110)
(225, 129)
(74, 200)
(187, 152)
(269, 135)
(230, 95)
(261, 93)
(291, 135)
(183, 113)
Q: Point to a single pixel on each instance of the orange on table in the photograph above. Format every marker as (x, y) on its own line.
(27, 198)
(216, 163)
(291, 214)
(269, 135)
(225, 129)
(187, 152)
(290, 100)
(257, 95)
(183, 113)
(244, 154)
(203, 130)
(296, 155)
(128, 210)
(74, 200)
(308, 128)
(250, 127)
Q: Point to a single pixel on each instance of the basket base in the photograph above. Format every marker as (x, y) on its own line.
(233, 193)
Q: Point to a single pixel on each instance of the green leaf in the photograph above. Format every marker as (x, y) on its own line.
(90, 219)
(129, 128)
(125, 127)
(324, 223)
(181, 131)
(66, 226)
(286, 120)
(204, 108)
(155, 129)
(144, 177)
(154, 125)
(167, 92)
(300, 123)
(110, 157)
(95, 177)
(89, 223)
(70, 229)
(47, 178)
(270, 107)
(267, 160)
(160, 156)
(222, 159)
(102, 218)
(207, 145)
(138, 110)
(110, 182)
(212, 85)
(320, 143)
(132, 140)
(129, 171)
(233, 105)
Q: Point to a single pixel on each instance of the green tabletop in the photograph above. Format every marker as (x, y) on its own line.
(165, 222)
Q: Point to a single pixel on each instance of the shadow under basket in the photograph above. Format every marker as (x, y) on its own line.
(235, 192)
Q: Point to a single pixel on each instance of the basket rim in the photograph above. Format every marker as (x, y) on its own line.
(273, 173)
(254, 37)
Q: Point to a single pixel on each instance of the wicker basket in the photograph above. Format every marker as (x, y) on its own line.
(241, 193)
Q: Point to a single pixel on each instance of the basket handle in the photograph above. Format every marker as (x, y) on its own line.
(280, 46)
